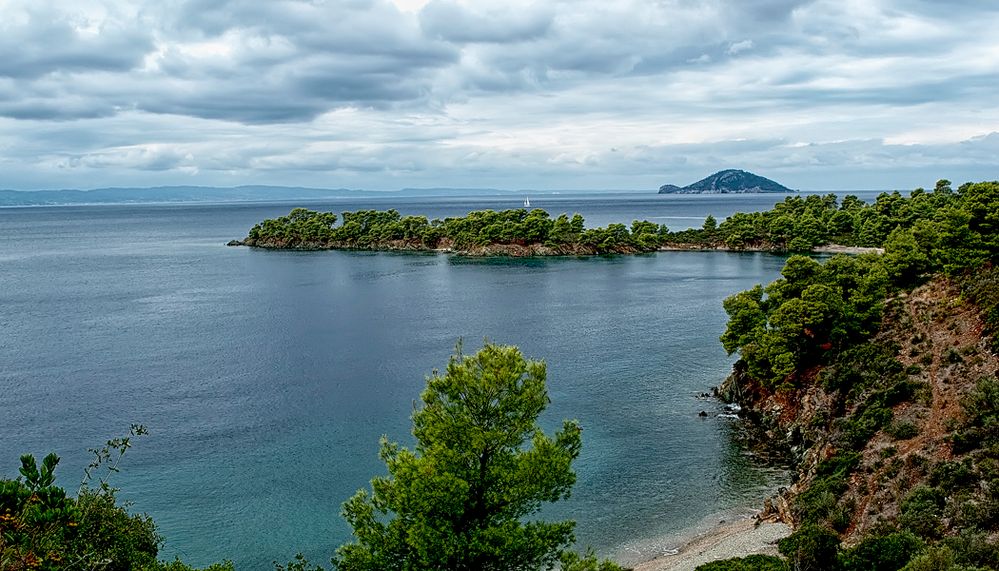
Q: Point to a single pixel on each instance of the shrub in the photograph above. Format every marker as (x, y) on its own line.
(902, 430)
(974, 549)
(881, 553)
(922, 510)
(811, 548)
(750, 563)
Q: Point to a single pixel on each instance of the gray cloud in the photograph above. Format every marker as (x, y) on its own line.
(454, 22)
(37, 39)
(552, 93)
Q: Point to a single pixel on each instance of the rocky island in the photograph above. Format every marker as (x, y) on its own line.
(729, 181)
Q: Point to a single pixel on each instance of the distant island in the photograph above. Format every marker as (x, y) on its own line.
(729, 181)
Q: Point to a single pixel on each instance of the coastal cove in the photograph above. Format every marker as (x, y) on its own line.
(148, 318)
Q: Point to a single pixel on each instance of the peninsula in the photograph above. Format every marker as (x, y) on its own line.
(517, 233)
(797, 224)
(729, 181)
(876, 377)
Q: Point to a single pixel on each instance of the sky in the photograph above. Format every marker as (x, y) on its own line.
(510, 94)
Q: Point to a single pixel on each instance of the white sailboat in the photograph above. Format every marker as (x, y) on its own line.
(527, 202)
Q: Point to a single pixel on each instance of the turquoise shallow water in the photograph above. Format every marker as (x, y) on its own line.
(266, 378)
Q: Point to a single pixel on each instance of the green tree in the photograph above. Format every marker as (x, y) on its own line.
(710, 224)
(41, 527)
(811, 548)
(481, 466)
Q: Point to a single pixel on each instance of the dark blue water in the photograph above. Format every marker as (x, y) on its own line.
(266, 378)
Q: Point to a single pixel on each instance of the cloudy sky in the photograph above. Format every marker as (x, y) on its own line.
(548, 94)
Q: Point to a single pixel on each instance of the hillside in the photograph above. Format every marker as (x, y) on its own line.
(729, 181)
(876, 378)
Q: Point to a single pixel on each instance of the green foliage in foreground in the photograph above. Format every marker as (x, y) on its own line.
(42, 527)
(460, 500)
(481, 467)
(374, 229)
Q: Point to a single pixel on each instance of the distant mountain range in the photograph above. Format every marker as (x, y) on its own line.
(255, 193)
(729, 181)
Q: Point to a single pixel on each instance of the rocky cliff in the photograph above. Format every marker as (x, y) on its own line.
(894, 438)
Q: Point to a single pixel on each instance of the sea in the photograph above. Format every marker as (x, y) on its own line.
(267, 378)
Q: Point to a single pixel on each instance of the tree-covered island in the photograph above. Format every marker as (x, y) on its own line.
(797, 224)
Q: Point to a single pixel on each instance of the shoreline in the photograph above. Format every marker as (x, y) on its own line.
(516, 251)
(736, 535)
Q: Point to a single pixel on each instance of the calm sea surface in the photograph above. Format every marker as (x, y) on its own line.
(267, 378)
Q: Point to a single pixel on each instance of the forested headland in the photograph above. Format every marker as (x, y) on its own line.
(797, 224)
(876, 376)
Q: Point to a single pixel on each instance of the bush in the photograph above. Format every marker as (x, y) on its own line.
(41, 527)
(902, 430)
(974, 549)
(820, 501)
(811, 548)
(922, 510)
(881, 553)
(933, 559)
(750, 563)
(981, 410)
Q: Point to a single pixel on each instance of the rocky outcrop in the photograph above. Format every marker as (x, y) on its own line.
(938, 339)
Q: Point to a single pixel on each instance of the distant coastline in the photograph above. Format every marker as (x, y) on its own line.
(267, 194)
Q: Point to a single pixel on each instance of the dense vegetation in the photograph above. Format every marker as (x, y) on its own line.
(511, 231)
(817, 311)
(797, 224)
(818, 328)
(481, 467)
(43, 527)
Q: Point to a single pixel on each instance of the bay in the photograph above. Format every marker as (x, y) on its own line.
(267, 378)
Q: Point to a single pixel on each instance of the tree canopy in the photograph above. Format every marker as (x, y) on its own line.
(462, 498)
(388, 229)
(816, 310)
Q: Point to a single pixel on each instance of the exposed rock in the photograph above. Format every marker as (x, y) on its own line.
(928, 326)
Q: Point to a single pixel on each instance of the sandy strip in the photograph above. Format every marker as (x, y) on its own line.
(731, 539)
